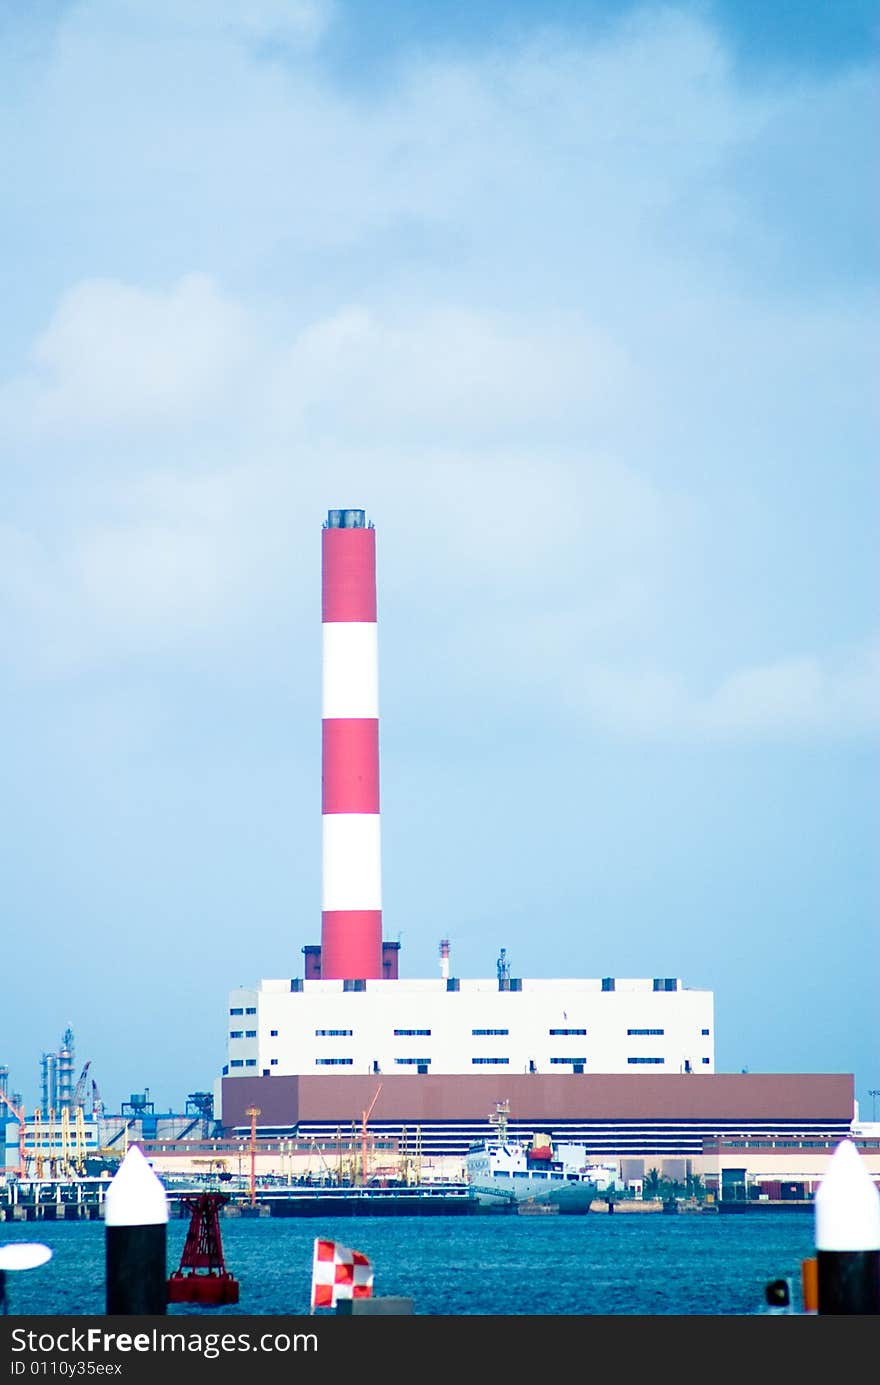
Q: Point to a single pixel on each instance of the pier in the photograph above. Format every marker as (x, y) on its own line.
(83, 1199)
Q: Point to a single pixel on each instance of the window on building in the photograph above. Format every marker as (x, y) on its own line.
(645, 1060)
(484, 1062)
(485, 1033)
(237, 1063)
(333, 1033)
(250, 1062)
(567, 1032)
(250, 1033)
(645, 1031)
(607, 983)
(705, 1033)
(413, 1062)
(235, 1034)
(706, 1060)
(273, 1062)
(665, 983)
(273, 1033)
(334, 1062)
(237, 1011)
(412, 1033)
(250, 1009)
(559, 1061)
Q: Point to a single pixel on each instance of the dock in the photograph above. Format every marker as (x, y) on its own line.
(83, 1200)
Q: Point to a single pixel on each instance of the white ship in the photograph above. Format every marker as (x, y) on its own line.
(501, 1170)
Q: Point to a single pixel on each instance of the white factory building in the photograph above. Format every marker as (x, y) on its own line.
(350, 1013)
(451, 1026)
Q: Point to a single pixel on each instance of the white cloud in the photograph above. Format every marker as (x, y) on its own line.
(289, 21)
(114, 354)
(789, 699)
(160, 562)
(448, 369)
(509, 295)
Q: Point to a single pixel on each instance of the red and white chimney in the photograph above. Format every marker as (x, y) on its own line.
(351, 919)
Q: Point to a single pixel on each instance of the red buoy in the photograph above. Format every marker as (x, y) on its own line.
(203, 1276)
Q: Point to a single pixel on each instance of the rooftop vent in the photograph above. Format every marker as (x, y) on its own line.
(346, 519)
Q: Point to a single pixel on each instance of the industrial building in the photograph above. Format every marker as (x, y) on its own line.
(350, 1055)
(63, 1141)
(457, 1026)
(626, 1064)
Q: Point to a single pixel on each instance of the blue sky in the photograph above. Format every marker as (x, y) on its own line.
(578, 301)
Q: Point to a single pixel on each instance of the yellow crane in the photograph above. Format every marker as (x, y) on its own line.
(365, 1116)
(66, 1143)
(320, 1153)
(253, 1112)
(42, 1134)
(38, 1151)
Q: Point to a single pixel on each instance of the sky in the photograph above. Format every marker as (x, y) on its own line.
(578, 301)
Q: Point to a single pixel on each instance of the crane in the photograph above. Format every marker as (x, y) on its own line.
(365, 1116)
(86, 1094)
(79, 1091)
(320, 1153)
(253, 1112)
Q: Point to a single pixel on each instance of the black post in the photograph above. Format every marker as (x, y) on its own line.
(849, 1281)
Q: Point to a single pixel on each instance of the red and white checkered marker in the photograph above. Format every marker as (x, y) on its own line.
(338, 1272)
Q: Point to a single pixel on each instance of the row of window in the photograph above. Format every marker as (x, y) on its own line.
(426, 1062)
(476, 1062)
(251, 1010)
(426, 1033)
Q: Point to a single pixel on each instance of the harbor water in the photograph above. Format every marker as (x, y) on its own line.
(454, 1266)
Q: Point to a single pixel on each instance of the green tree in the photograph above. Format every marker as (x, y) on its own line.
(652, 1184)
(696, 1188)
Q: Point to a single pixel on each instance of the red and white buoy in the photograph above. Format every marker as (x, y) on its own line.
(351, 918)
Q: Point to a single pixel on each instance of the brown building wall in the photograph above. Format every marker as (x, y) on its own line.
(541, 1097)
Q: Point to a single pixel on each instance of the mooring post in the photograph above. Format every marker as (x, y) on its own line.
(847, 1236)
(136, 1226)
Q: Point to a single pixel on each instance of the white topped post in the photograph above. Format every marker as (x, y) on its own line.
(848, 1235)
(136, 1226)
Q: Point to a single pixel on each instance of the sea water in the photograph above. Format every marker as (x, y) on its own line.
(561, 1265)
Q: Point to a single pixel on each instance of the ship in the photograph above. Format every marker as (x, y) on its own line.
(500, 1171)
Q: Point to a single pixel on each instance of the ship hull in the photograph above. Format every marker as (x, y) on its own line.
(568, 1196)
